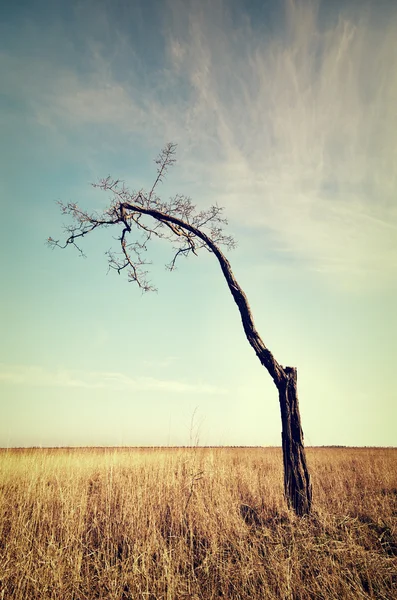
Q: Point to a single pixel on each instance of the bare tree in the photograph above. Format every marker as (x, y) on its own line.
(189, 231)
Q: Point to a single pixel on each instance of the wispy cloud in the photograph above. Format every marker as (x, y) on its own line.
(303, 127)
(34, 375)
(291, 128)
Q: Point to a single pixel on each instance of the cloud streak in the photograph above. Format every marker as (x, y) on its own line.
(292, 128)
(34, 375)
(303, 128)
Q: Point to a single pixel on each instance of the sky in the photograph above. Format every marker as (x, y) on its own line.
(285, 115)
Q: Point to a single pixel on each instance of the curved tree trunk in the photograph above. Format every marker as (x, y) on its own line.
(297, 485)
(122, 211)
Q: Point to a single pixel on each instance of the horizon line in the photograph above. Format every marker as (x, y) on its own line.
(182, 447)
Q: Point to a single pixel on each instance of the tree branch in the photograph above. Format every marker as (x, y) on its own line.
(176, 221)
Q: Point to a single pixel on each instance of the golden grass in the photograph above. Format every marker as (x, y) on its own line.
(168, 524)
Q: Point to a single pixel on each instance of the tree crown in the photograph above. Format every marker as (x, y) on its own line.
(142, 216)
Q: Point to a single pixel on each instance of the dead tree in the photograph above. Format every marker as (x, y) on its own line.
(189, 230)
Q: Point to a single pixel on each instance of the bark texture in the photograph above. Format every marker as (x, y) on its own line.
(297, 484)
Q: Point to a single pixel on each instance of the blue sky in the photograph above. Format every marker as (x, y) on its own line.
(283, 114)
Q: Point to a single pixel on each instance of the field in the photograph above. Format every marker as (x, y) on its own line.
(195, 523)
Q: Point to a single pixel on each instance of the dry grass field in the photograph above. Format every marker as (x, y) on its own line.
(167, 524)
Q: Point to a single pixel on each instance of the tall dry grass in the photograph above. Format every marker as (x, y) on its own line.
(195, 523)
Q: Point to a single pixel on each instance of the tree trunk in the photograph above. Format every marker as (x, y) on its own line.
(297, 485)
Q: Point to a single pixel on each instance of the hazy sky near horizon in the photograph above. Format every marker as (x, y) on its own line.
(285, 114)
